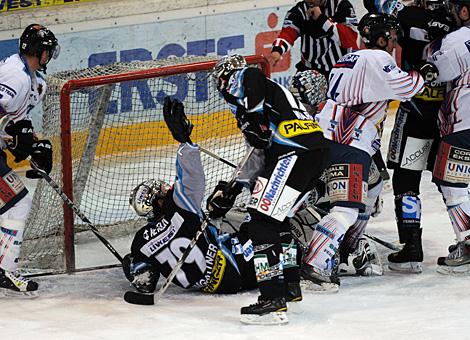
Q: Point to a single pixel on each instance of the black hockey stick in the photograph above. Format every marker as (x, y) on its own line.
(72, 205)
(151, 299)
(384, 243)
(213, 155)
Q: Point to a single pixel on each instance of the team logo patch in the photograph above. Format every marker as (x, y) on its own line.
(296, 127)
(347, 61)
(217, 273)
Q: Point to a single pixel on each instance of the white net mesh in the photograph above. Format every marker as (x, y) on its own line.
(119, 139)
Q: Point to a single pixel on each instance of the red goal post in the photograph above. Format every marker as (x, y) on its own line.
(111, 137)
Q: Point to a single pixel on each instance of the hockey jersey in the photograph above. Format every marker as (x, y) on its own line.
(248, 90)
(163, 241)
(452, 58)
(360, 86)
(20, 89)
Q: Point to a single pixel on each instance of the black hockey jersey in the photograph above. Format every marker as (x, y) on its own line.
(249, 91)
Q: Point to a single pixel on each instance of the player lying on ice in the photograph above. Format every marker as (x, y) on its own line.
(220, 262)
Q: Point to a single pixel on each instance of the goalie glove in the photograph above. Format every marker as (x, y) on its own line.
(222, 198)
(22, 141)
(175, 118)
(41, 155)
(428, 71)
(256, 133)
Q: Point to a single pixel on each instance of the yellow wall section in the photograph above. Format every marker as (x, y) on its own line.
(138, 136)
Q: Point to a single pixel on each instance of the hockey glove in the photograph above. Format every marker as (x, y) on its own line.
(175, 118)
(42, 156)
(22, 141)
(428, 71)
(439, 27)
(256, 133)
(222, 198)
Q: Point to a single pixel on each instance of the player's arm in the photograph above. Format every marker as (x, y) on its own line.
(341, 26)
(450, 61)
(189, 179)
(291, 30)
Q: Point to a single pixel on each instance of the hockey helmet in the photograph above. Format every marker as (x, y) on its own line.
(372, 26)
(144, 196)
(36, 39)
(310, 87)
(225, 66)
(391, 7)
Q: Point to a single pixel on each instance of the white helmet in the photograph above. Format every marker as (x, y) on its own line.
(224, 67)
(143, 196)
(310, 87)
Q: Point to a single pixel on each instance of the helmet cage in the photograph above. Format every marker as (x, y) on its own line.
(225, 66)
(144, 195)
(310, 87)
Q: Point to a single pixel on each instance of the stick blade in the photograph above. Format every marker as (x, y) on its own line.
(139, 298)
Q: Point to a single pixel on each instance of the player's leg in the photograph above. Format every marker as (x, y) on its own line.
(347, 190)
(357, 255)
(412, 149)
(278, 192)
(452, 175)
(14, 210)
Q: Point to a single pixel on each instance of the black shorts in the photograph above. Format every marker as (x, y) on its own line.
(415, 135)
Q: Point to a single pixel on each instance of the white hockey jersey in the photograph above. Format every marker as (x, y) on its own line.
(20, 89)
(452, 58)
(360, 86)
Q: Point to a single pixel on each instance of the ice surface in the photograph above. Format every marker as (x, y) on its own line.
(395, 306)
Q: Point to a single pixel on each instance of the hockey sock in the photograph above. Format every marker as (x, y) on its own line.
(11, 237)
(408, 214)
(355, 232)
(458, 208)
(269, 270)
(327, 236)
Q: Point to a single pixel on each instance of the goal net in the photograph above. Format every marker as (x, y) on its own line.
(108, 134)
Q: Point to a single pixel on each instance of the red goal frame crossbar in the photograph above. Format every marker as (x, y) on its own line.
(66, 131)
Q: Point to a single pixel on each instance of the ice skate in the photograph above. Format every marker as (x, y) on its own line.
(458, 260)
(364, 261)
(265, 312)
(409, 259)
(318, 281)
(13, 284)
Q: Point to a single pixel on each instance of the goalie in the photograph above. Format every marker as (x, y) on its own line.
(219, 262)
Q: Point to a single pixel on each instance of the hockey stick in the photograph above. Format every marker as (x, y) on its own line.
(213, 155)
(151, 299)
(382, 242)
(72, 205)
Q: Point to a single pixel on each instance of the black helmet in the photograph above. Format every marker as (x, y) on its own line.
(375, 25)
(37, 39)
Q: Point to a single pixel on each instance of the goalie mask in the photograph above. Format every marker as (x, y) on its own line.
(35, 40)
(309, 87)
(224, 68)
(144, 197)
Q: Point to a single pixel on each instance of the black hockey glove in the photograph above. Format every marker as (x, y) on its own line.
(143, 276)
(175, 118)
(428, 71)
(222, 198)
(256, 133)
(42, 156)
(21, 145)
(438, 28)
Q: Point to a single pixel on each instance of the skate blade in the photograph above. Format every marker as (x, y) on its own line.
(407, 267)
(273, 318)
(457, 270)
(324, 287)
(294, 308)
(4, 292)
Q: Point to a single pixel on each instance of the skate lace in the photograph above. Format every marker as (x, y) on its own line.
(19, 278)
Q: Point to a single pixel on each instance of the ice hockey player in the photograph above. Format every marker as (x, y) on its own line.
(220, 262)
(21, 88)
(272, 120)
(414, 138)
(451, 55)
(356, 255)
(361, 84)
